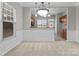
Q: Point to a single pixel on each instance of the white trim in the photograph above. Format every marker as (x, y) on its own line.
(1, 22)
(67, 24)
(11, 21)
(7, 45)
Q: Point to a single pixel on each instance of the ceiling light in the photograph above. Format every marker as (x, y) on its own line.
(36, 15)
(42, 12)
(48, 15)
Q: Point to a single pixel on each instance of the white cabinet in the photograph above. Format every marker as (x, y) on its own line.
(7, 16)
(8, 13)
(0, 21)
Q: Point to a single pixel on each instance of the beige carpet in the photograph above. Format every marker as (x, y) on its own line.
(56, 48)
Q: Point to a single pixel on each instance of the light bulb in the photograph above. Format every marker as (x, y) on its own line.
(43, 12)
(36, 15)
(48, 15)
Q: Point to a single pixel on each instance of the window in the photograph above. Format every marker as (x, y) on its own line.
(51, 23)
(45, 23)
(41, 23)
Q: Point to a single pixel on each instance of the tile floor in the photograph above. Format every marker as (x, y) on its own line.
(55, 48)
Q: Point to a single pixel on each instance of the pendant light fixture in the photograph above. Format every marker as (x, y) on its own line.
(42, 11)
(49, 8)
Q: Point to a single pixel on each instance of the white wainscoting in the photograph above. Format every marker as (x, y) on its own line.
(77, 36)
(39, 35)
(0, 37)
(72, 36)
(33, 35)
(7, 45)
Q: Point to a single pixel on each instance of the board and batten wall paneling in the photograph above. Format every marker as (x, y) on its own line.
(26, 18)
(0, 23)
(77, 23)
(71, 34)
(72, 18)
(7, 45)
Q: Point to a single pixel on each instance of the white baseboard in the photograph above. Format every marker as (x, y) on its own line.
(77, 36)
(73, 36)
(7, 45)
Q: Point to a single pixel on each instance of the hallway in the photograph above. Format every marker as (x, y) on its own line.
(55, 48)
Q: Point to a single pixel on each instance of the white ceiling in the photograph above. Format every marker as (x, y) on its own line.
(55, 7)
(52, 4)
(52, 11)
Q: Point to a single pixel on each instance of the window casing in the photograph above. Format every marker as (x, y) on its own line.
(43, 23)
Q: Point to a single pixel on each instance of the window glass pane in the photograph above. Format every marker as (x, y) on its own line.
(41, 23)
(51, 23)
(44, 22)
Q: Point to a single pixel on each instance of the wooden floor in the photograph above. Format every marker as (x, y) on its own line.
(55, 48)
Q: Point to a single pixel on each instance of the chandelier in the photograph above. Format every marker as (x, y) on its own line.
(42, 10)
